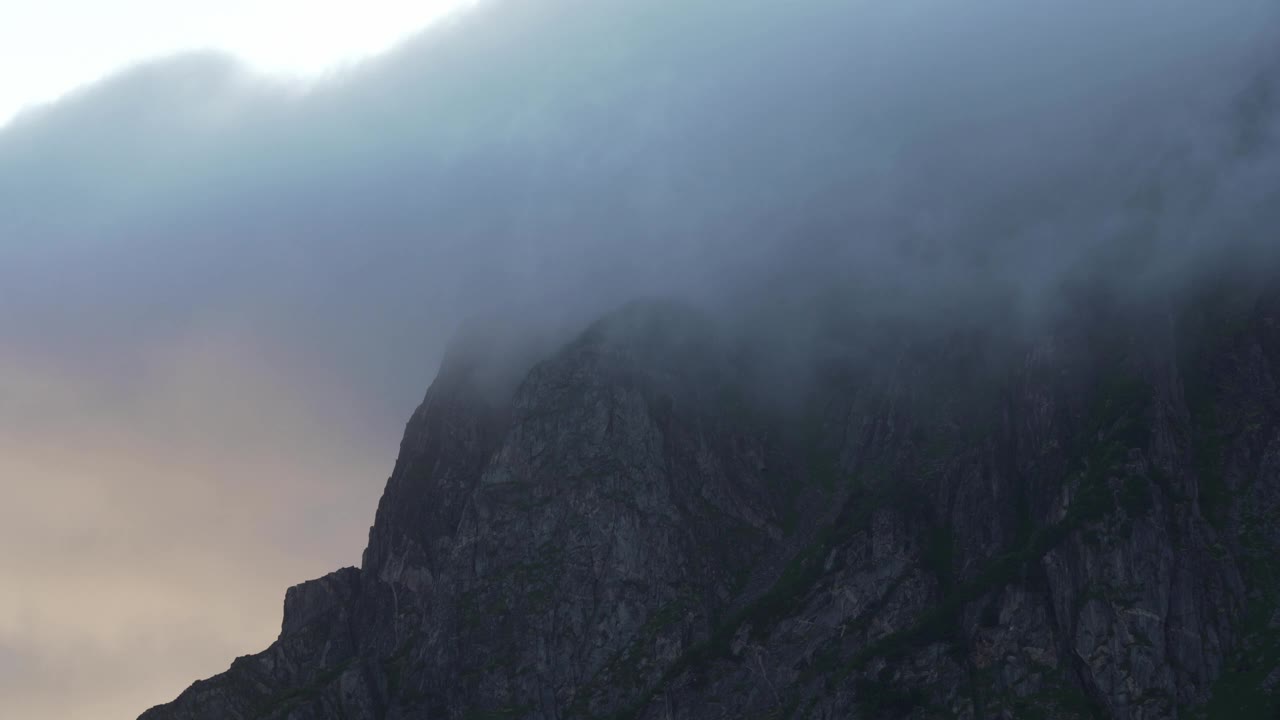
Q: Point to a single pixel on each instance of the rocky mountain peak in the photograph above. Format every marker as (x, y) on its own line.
(1080, 524)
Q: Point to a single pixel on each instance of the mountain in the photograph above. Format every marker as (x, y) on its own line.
(655, 521)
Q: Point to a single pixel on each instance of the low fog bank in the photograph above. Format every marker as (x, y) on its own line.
(560, 158)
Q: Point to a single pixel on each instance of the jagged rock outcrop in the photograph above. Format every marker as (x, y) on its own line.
(1078, 524)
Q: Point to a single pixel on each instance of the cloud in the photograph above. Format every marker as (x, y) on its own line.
(220, 295)
(575, 152)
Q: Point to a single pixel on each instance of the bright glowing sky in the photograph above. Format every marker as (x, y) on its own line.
(48, 47)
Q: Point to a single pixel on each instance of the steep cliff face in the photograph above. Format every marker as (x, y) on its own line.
(1081, 524)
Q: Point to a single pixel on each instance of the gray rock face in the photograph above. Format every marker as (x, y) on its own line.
(1078, 525)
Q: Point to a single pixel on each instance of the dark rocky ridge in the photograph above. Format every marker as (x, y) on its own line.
(1080, 524)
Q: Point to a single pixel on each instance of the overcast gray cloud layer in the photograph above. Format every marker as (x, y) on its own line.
(220, 296)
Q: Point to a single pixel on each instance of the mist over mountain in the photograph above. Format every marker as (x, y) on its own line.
(576, 155)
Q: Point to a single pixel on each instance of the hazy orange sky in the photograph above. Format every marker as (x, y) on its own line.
(150, 525)
(145, 547)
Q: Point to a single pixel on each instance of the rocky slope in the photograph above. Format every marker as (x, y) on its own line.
(1077, 524)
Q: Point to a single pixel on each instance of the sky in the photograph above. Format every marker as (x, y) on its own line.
(51, 47)
(229, 263)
